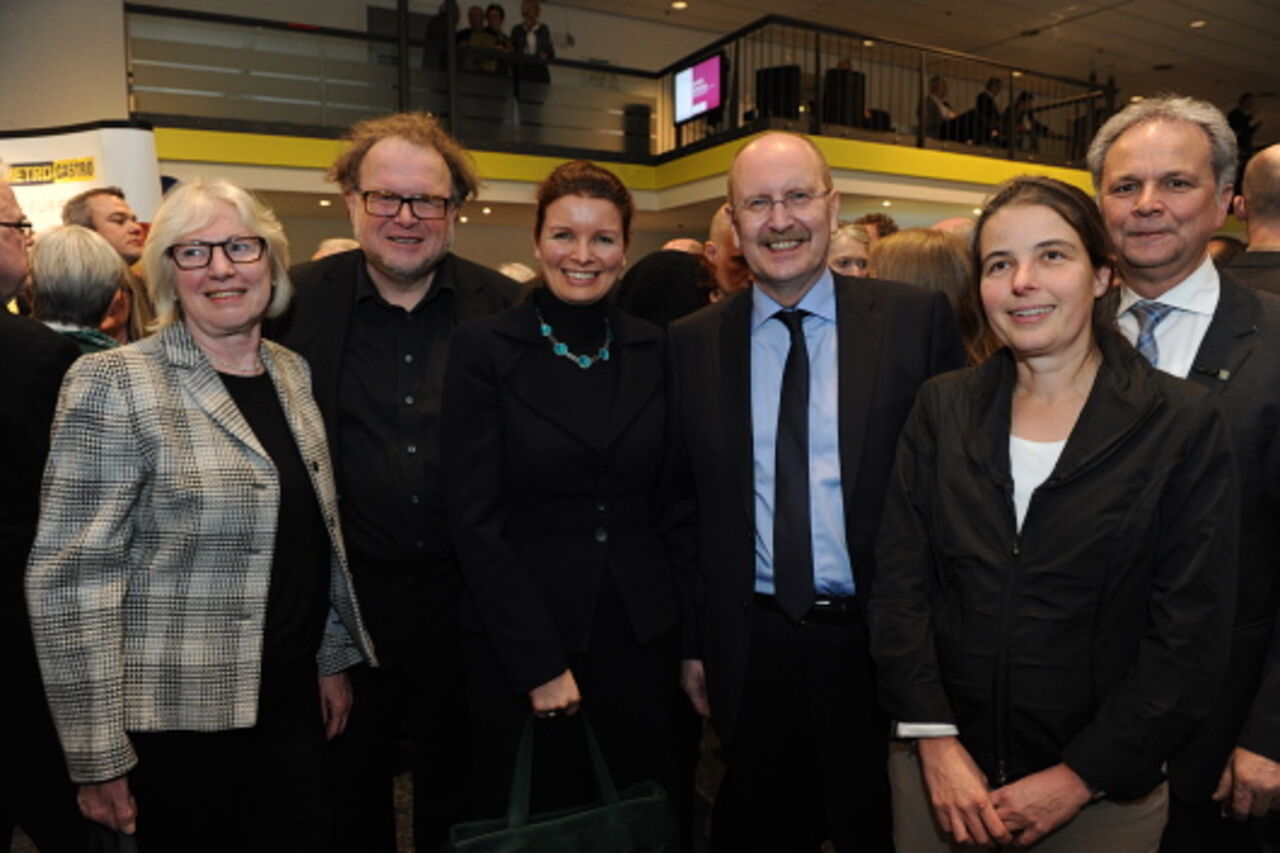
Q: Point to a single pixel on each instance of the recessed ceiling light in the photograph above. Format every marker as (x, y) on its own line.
(679, 4)
(486, 210)
(324, 202)
(462, 219)
(1195, 25)
(868, 43)
(886, 203)
(1135, 99)
(1016, 73)
(977, 211)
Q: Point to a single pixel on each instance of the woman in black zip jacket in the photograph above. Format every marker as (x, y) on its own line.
(1056, 564)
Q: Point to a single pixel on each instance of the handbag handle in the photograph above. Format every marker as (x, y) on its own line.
(522, 778)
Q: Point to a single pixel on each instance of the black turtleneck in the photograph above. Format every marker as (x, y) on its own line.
(588, 394)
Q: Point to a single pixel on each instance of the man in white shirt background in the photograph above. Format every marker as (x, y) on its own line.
(1163, 170)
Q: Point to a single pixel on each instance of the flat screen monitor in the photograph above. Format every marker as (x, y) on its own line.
(699, 88)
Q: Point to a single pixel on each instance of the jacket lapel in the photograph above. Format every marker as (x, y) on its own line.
(639, 371)
(859, 324)
(202, 383)
(734, 382)
(1228, 342)
(311, 444)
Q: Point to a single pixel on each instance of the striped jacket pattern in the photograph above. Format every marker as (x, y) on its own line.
(147, 584)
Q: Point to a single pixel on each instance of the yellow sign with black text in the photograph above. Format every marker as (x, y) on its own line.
(52, 172)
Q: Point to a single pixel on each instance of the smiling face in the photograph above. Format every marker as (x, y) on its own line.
(1038, 285)
(114, 219)
(402, 251)
(581, 247)
(223, 298)
(786, 249)
(1161, 202)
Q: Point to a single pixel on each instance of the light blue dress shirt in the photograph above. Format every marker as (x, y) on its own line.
(770, 342)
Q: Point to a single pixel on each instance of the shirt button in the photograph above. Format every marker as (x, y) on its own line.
(600, 504)
(417, 543)
(408, 359)
(408, 400)
(413, 448)
(414, 499)
(602, 535)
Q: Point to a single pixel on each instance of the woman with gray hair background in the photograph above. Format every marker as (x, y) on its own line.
(76, 277)
(188, 583)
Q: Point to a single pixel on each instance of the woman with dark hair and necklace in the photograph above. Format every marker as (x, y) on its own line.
(553, 421)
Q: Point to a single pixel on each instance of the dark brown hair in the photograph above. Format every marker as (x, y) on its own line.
(417, 128)
(1078, 211)
(584, 178)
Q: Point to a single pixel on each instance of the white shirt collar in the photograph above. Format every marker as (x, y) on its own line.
(1195, 294)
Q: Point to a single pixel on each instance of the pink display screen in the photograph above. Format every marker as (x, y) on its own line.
(698, 89)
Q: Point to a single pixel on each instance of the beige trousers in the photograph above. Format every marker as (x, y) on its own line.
(1107, 826)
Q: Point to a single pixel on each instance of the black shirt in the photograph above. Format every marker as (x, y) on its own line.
(298, 597)
(388, 419)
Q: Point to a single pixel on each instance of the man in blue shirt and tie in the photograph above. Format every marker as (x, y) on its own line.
(787, 399)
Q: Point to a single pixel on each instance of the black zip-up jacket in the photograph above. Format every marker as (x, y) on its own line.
(1099, 633)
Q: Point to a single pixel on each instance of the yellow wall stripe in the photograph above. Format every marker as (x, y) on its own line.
(257, 149)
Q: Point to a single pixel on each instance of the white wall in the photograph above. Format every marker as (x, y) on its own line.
(621, 40)
(62, 62)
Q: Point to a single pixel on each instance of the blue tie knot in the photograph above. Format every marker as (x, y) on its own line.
(1149, 315)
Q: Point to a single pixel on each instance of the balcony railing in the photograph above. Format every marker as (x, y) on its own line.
(197, 69)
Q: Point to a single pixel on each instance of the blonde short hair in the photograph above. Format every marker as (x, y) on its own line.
(191, 206)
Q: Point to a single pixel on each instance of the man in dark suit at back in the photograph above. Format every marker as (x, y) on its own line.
(1258, 205)
(1163, 171)
(375, 325)
(36, 792)
(782, 455)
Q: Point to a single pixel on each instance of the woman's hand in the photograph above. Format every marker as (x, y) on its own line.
(1036, 805)
(958, 793)
(557, 696)
(335, 703)
(110, 804)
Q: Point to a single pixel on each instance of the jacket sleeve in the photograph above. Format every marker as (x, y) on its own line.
(946, 350)
(474, 463)
(902, 639)
(1182, 652)
(679, 513)
(79, 565)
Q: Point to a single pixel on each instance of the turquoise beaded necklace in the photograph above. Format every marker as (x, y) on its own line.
(559, 347)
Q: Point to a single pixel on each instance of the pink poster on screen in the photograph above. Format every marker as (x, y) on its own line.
(698, 89)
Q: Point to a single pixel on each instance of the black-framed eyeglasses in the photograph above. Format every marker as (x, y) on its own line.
(197, 254)
(22, 225)
(387, 205)
(794, 201)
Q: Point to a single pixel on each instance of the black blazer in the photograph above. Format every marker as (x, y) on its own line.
(33, 360)
(318, 318)
(538, 511)
(891, 338)
(1239, 360)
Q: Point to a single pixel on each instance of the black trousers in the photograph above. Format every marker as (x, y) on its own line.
(418, 692)
(260, 789)
(1201, 827)
(35, 792)
(806, 759)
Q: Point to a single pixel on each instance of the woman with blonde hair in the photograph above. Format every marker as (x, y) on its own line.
(188, 588)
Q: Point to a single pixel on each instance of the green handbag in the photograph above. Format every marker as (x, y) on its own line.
(638, 819)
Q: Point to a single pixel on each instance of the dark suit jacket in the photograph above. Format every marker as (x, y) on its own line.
(33, 360)
(1239, 360)
(540, 511)
(1259, 270)
(892, 337)
(316, 324)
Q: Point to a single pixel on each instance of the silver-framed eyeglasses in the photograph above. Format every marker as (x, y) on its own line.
(794, 201)
(388, 205)
(197, 254)
(23, 226)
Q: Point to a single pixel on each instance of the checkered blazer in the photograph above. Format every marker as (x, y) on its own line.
(147, 583)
